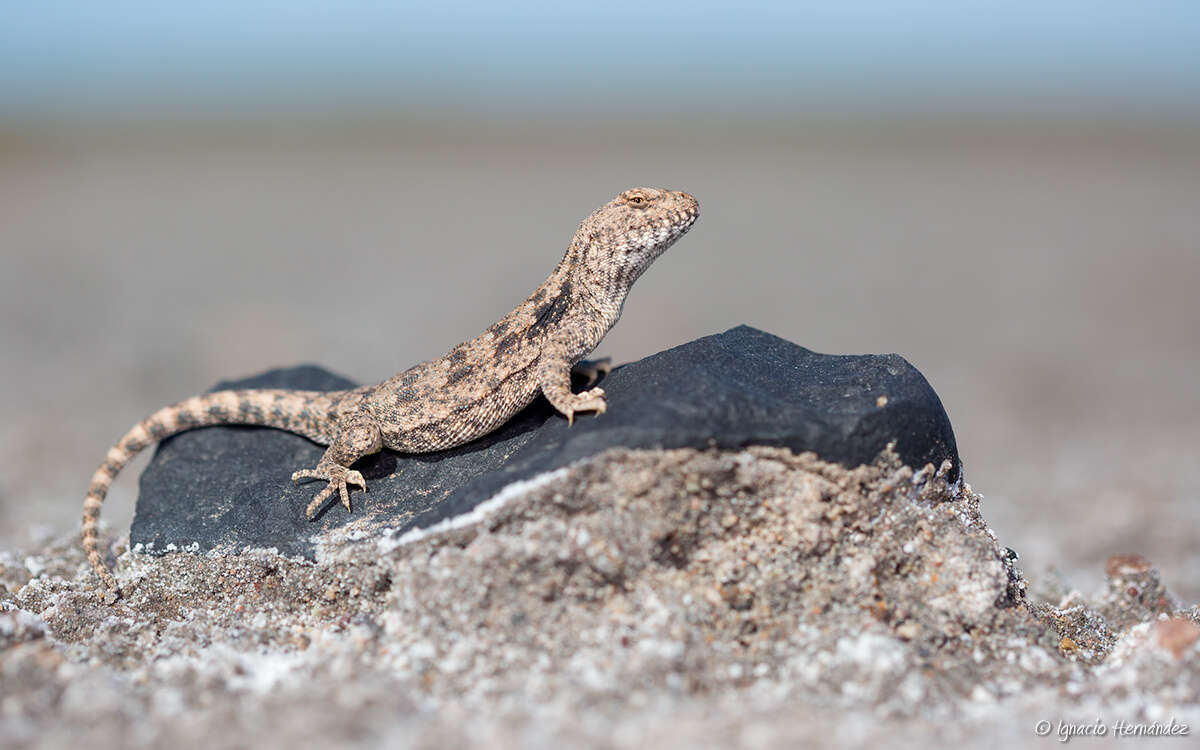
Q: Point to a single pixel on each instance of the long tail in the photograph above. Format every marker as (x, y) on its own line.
(304, 412)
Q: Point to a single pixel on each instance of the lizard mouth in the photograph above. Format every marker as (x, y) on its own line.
(684, 222)
(670, 231)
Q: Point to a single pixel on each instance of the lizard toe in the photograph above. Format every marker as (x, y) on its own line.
(319, 500)
(593, 401)
(340, 480)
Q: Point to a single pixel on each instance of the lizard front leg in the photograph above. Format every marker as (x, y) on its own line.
(358, 436)
(554, 378)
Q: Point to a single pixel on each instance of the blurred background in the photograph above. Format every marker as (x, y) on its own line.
(1006, 193)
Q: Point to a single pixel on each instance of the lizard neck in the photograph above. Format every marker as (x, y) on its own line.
(596, 302)
(570, 305)
(593, 288)
(572, 301)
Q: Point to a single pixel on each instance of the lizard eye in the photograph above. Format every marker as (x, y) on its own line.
(637, 200)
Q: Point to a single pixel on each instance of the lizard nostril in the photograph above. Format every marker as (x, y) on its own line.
(693, 205)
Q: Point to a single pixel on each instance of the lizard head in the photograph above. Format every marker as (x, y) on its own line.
(624, 236)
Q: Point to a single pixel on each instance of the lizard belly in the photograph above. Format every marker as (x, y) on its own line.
(437, 424)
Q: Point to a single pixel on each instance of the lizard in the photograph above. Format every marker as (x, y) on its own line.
(470, 391)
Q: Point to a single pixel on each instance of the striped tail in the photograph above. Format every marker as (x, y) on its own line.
(304, 412)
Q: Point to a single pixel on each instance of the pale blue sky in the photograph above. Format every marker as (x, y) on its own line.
(219, 57)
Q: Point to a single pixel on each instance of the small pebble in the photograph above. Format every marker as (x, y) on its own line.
(1126, 565)
(1176, 635)
(908, 631)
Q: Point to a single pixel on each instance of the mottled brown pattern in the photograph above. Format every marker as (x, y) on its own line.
(470, 391)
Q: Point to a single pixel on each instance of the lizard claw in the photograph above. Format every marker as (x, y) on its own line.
(354, 478)
(339, 477)
(593, 401)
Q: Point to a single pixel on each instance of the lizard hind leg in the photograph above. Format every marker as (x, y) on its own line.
(592, 370)
(357, 436)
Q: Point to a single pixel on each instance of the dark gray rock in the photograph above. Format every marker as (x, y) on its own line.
(229, 487)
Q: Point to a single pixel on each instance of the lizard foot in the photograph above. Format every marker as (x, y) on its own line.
(339, 478)
(592, 400)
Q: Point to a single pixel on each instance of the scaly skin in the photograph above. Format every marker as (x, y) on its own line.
(476, 387)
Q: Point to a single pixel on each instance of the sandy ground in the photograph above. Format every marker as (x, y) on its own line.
(680, 598)
(1043, 278)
